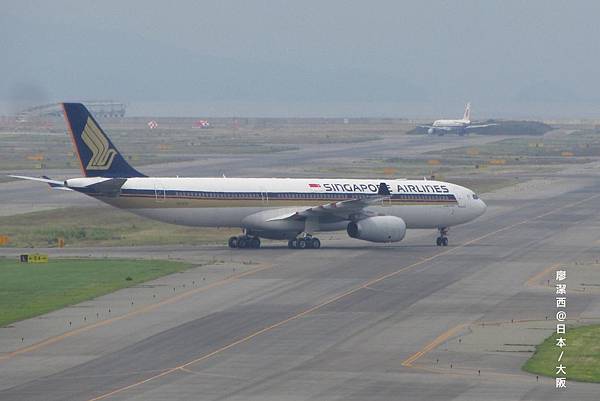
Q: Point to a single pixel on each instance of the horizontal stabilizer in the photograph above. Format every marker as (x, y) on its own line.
(40, 179)
(54, 184)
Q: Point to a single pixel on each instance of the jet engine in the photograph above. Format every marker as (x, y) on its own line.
(378, 229)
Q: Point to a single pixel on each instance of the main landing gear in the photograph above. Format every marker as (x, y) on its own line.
(244, 241)
(442, 240)
(307, 242)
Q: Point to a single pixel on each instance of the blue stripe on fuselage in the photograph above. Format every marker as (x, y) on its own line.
(328, 196)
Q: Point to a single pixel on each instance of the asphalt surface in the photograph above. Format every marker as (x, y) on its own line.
(351, 321)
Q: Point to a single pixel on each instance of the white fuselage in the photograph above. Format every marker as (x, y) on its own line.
(451, 123)
(250, 202)
(448, 126)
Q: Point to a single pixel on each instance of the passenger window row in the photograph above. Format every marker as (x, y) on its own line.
(296, 195)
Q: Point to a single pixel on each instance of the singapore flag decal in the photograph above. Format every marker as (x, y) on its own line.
(314, 185)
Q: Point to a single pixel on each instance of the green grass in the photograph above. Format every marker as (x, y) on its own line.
(28, 290)
(581, 355)
(101, 226)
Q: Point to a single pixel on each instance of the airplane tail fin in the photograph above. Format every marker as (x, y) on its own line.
(467, 115)
(97, 155)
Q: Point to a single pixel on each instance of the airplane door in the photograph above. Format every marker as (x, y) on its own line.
(159, 193)
(460, 198)
(264, 195)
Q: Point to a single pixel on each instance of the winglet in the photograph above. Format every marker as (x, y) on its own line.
(384, 189)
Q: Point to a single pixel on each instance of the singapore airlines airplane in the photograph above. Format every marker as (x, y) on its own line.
(274, 208)
(461, 127)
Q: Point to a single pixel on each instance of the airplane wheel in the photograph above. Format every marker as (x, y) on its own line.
(292, 244)
(242, 242)
(445, 241)
(233, 242)
(301, 243)
(255, 243)
(438, 241)
(316, 244)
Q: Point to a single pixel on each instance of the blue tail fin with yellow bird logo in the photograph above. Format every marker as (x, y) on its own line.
(97, 155)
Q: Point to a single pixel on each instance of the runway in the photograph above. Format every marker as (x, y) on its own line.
(351, 321)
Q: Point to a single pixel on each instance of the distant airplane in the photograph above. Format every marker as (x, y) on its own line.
(276, 208)
(202, 124)
(460, 127)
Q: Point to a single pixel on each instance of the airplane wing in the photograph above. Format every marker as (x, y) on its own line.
(480, 126)
(342, 210)
(54, 184)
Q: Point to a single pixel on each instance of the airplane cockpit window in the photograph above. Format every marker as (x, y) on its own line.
(475, 196)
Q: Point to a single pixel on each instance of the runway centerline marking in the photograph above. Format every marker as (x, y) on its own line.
(336, 298)
(144, 309)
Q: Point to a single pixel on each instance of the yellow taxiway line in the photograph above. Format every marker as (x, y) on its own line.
(465, 371)
(434, 344)
(453, 332)
(533, 280)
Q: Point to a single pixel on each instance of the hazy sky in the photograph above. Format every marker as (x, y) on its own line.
(284, 58)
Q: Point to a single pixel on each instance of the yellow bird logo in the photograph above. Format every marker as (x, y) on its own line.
(102, 154)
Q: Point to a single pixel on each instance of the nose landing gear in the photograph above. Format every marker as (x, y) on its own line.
(442, 240)
(306, 242)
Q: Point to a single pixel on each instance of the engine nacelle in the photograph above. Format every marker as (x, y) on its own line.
(378, 229)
